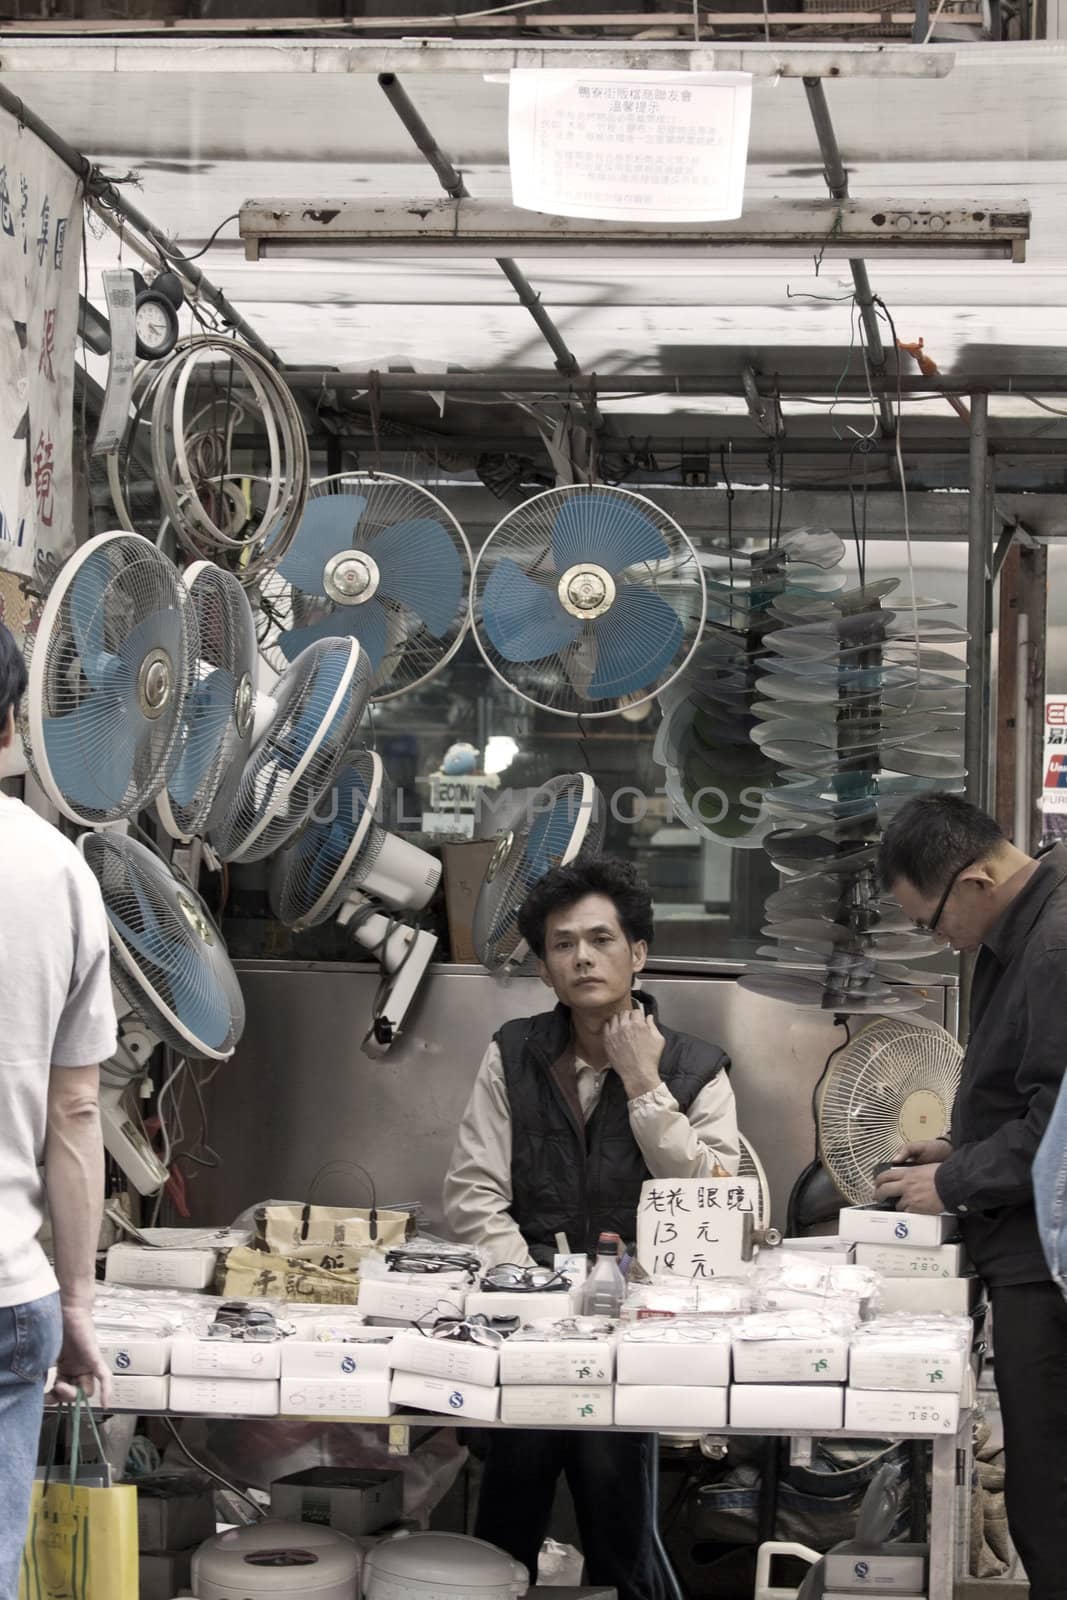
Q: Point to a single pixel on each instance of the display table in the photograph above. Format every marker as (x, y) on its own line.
(949, 1521)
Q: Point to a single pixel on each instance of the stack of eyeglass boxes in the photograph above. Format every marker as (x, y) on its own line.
(789, 1369)
(456, 1376)
(336, 1367)
(909, 1374)
(673, 1372)
(921, 1270)
(234, 1377)
(559, 1372)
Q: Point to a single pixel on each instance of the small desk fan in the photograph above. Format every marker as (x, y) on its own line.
(331, 868)
(587, 600)
(174, 980)
(111, 663)
(381, 560)
(554, 825)
(315, 708)
(217, 722)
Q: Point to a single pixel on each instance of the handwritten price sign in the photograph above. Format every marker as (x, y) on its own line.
(695, 1227)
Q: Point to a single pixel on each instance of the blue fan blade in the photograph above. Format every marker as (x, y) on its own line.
(635, 641)
(367, 623)
(185, 983)
(86, 609)
(90, 754)
(549, 835)
(162, 630)
(327, 527)
(208, 711)
(524, 620)
(605, 531)
(420, 568)
(291, 746)
(323, 845)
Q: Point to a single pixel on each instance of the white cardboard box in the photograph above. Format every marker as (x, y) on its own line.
(566, 1361)
(670, 1406)
(137, 1357)
(926, 1367)
(336, 1397)
(409, 1302)
(557, 1403)
(335, 1358)
(236, 1397)
(191, 1357)
(822, 1360)
(138, 1265)
(703, 1363)
(898, 1572)
(826, 1247)
(866, 1225)
(139, 1393)
(444, 1395)
(894, 1411)
(536, 1307)
(445, 1358)
(901, 1261)
(784, 1407)
(954, 1296)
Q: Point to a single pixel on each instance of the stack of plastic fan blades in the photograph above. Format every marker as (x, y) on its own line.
(716, 776)
(587, 600)
(549, 827)
(861, 709)
(341, 858)
(111, 663)
(173, 976)
(216, 727)
(315, 709)
(381, 560)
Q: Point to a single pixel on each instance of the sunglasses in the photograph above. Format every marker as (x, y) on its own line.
(429, 1262)
(931, 926)
(253, 1333)
(475, 1329)
(524, 1280)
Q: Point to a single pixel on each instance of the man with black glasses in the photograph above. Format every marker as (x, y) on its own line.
(571, 1112)
(949, 866)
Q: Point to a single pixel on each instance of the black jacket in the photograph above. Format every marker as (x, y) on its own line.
(1011, 1076)
(575, 1179)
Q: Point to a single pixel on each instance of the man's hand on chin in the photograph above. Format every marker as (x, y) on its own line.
(913, 1188)
(634, 1048)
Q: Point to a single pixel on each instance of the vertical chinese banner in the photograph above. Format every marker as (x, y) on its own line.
(40, 255)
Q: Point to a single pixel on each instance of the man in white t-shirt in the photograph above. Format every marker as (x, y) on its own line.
(57, 1023)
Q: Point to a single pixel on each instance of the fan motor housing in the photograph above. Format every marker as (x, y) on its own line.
(586, 591)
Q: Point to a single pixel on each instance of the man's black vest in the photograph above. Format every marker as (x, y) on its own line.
(576, 1180)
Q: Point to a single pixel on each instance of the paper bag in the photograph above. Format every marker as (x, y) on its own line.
(251, 1273)
(294, 1229)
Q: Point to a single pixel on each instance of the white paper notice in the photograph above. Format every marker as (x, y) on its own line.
(629, 146)
(694, 1227)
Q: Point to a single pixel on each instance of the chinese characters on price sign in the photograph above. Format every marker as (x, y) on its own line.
(695, 1227)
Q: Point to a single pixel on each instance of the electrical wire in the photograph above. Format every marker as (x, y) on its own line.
(200, 1466)
(840, 1021)
(176, 255)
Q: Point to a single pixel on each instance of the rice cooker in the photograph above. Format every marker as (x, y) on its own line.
(277, 1561)
(440, 1566)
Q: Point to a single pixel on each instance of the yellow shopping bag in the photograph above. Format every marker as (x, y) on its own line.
(82, 1541)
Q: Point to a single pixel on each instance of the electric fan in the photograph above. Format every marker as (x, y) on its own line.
(894, 1084)
(587, 600)
(173, 976)
(554, 825)
(380, 559)
(314, 710)
(332, 866)
(216, 726)
(750, 1166)
(111, 663)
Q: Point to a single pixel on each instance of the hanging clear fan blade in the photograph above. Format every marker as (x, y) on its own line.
(866, 998)
(110, 665)
(173, 978)
(557, 823)
(216, 729)
(317, 706)
(381, 560)
(817, 934)
(841, 637)
(587, 600)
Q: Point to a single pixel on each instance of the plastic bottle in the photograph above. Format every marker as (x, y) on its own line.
(605, 1285)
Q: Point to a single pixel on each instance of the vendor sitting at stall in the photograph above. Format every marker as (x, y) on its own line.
(572, 1110)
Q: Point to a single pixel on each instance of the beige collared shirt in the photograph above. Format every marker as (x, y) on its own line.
(477, 1194)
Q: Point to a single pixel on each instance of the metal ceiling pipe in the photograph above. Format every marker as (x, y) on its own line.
(106, 198)
(837, 183)
(795, 386)
(979, 559)
(452, 183)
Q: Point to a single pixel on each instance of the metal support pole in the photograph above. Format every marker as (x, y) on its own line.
(979, 558)
(452, 183)
(107, 199)
(837, 183)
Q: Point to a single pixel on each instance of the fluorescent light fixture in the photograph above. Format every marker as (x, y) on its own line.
(956, 229)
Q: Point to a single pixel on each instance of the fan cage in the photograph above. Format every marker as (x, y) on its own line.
(554, 682)
(310, 879)
(134, 583)
(179, 941)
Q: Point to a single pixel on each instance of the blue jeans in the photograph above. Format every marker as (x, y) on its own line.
(30, 1337)
(1050, 1189)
